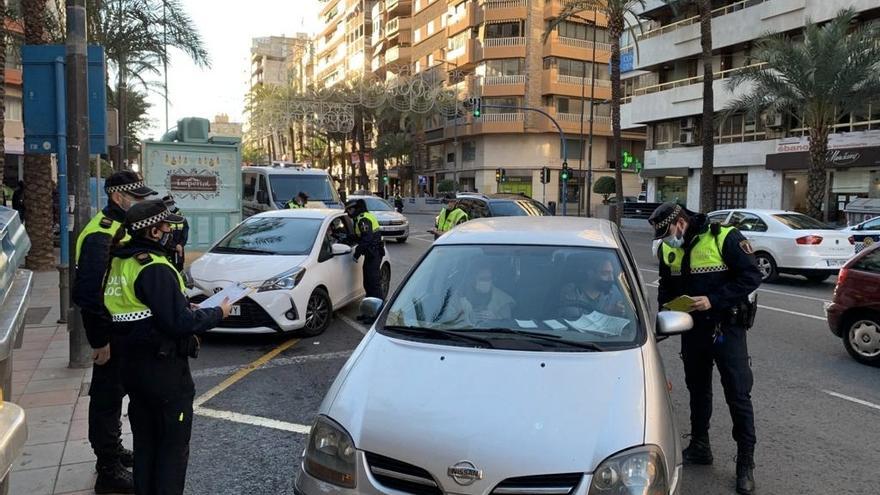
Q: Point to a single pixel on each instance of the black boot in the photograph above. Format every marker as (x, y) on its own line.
(699, 451)
(126, 457)
(113, 478)
(745, 478)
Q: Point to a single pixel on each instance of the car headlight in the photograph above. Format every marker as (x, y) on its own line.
(284, 281)
(638, 471)
(330, 455)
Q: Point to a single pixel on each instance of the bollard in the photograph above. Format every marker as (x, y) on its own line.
(64, 287)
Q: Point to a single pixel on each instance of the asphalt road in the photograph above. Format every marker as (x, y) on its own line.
(817, 410)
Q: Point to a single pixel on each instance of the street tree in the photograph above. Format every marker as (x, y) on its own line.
(4, 42)
(816, 82)
(606, 186)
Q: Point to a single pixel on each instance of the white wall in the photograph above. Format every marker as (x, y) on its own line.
(764, 188)
(652, 189)
(693, 198)
(678, 102)
(726, 155)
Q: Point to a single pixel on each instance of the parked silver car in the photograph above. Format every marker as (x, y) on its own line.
(393, 225)
(518, 357)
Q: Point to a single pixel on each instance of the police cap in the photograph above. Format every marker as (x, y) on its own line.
(128, 182)
(149, 213)
(665, 215)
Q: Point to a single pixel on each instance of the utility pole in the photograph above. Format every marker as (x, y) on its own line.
(165, 59)
(589, 179)
(78, 158)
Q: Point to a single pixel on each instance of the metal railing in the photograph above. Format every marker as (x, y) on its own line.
(576, 118)
(503, 4)
(585, 44)
(720, 11)
(578, 81)
(497, 42)
(724, 74)
(502, 117)
(499, 80)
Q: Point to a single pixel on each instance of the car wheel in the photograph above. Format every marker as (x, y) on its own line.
(767, 266)
(817, 279)
(862, 338)
(401, 240)
(385, 280)
(318, 313)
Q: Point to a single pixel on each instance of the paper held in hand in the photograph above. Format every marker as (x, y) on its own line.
(234, 293)
(680, 303)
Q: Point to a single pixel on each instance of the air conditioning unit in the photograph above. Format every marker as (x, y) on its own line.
(687, 123)
(750, 126)
(773, 120)
(686, 137)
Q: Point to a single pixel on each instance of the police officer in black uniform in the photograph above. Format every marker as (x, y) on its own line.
(714, 265)
(105, 405)
(156, 329)
(179, 235)
(369, 245)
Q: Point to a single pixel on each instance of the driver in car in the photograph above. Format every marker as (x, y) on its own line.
(594, 290)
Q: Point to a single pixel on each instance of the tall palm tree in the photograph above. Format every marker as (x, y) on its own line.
(4, 41)
(38, 168)
(832, 72)
(618, 13)
(707, 133)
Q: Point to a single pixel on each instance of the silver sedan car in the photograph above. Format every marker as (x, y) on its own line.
(393, 225)
(518, 357)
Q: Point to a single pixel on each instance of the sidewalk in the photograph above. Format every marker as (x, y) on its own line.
(57, 457)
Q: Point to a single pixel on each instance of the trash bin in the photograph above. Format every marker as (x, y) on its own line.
(15, 288)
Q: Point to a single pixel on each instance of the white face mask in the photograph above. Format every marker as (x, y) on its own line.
(483, 286)
(674, 241)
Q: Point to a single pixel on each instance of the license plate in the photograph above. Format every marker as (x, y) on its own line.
(835, 263)
(235, 310)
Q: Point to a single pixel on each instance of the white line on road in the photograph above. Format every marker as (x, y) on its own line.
(853, 399)
(353, 324)
(228, 370)
(252, 420)
(431, 241)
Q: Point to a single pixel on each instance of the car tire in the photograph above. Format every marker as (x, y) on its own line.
(818, 278)
(767, 266)
(861, 337)
(401, 240)
(385, 280)
(319, 312)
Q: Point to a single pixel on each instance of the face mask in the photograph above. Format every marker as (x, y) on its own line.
(483, 287)
(602, 285)
(674, 241)
(165, 240)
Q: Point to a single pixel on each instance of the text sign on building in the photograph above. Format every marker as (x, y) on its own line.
(192, 183)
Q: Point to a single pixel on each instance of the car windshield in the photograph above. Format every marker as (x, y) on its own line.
(797, 221)
(271, 235)
(543, 298)
(376, 204)
(517, 208)
(317, 186)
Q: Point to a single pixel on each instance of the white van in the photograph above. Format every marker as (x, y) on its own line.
(270, 188)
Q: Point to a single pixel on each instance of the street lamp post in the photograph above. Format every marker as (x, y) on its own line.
(589, 179)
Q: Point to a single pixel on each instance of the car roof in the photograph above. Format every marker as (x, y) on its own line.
(494, 196)
(527, 230)
(363, 196)
(313, 213)
(300, 170)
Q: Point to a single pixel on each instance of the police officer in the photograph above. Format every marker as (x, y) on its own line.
(179, 235)
(450, 215)
(298, 201)
(369, 245)
(715, 266)
(156, 329)
(92, 256)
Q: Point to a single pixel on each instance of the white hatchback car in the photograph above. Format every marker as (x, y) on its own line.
(299, 261)
(393, 225)
(518, 357)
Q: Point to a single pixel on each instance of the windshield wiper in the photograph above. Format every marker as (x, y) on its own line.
(543, 336)
(446, 333)
(227, 249)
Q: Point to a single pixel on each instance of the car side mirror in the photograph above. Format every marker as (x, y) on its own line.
(263, 197)
(340, 249)
(673, 323)
(370, 307)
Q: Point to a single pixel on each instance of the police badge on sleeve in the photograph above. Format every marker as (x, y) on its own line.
(746, 246)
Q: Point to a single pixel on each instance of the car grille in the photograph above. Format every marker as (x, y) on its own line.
(547, 484)
(252, 315)
(401, 476)
(392, 222)
(392, 233)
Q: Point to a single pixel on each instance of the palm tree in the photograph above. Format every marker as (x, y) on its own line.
(617, 12)
(38, 176)
(3, 43)
(834, 71)
(707, 133)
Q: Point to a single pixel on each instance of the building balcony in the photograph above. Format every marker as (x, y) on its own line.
(13, 76)
(553, 8)
(503, 85)
(398, 7)
(458, 23)
(502, 10)
(396, 25)
(398, 55)
(503, 48)
(495, 123)
(559, 46)
(554, 83)
(466, 56)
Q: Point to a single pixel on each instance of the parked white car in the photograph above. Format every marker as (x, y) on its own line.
(299, 261)
(790, 242)
(478, 379)
(393, 225)
(865, 233)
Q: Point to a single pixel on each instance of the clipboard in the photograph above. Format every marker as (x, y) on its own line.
(235, 292)
(680, 303)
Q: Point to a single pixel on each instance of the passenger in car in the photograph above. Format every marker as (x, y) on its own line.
(593, 290)
(486, 302)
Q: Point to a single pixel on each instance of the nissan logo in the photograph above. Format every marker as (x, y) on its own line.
(465, 473)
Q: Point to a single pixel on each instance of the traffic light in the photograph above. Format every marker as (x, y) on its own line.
(566, 172)
(500, 175)
(476, 104)
(385, 178)
(545, 175)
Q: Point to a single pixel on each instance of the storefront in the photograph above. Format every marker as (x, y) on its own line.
(666, 184)
(516, 185)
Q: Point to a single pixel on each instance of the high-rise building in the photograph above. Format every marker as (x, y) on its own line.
(759, 162)
(13, 127)
(342, 46)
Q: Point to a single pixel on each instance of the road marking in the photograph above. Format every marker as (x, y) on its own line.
(853, 399)
(429, 241)
(771, 308)
(238, 375)
(771, 291)
(252, 420)
(353, 324)
(227, 370)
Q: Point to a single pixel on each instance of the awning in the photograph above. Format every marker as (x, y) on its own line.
(662, 172)
(839, 158)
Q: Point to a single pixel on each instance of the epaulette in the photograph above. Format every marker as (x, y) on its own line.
(715, 228)
(106, 223)
(143, 258)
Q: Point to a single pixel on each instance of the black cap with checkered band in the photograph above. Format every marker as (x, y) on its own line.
(129, 182)
(665, 215)
(149, 213)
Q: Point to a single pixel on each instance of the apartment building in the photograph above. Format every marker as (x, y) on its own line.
(343, 45)
(13, 127)
(759, 163)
